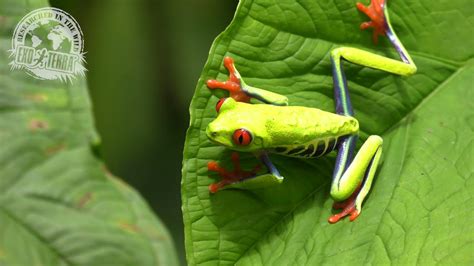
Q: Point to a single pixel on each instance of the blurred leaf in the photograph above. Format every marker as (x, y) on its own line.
(58, 203)
(419, 210)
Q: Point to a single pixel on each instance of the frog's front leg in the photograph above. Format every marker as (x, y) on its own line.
(239, 178)
(230, 177)
(241, 91)
(233, 85)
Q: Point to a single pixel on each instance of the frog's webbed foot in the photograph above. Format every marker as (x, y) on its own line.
(242, 179)
(230, 177)
(376, 14)
(242, 92)
(352, 178)
(348, 207)
(233, 85)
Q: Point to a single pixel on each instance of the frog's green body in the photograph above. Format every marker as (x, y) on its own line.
(295, 131)
(274, 127)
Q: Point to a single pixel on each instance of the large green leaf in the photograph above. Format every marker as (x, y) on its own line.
(58, 203)
(420, 209)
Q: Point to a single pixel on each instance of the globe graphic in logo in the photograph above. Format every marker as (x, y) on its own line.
(51, 36)
(48, 44)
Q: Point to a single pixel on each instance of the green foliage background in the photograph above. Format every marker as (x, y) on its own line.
(143, 59)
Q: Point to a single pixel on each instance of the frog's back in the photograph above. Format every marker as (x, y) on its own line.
(306, 132)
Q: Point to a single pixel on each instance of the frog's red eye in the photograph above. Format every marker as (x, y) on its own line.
(242, 137)
(219, 104)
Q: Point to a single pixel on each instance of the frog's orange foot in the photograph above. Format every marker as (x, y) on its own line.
(229, 177)
(375, 12)
(348, 210)
(232, 85)
(347, 206)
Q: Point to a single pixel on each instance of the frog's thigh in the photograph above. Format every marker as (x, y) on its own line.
(363, 166)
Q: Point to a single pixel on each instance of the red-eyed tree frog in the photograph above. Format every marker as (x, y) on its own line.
(275, 127)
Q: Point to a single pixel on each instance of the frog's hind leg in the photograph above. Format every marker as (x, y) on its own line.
(378, 13)
(351, 186)
(352, 178)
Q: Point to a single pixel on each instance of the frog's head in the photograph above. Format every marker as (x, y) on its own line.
(238, 126)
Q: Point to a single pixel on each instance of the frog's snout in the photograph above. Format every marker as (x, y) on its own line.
(217, 134)
(212, 134)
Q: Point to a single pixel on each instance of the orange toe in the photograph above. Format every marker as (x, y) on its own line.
(376, 14)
